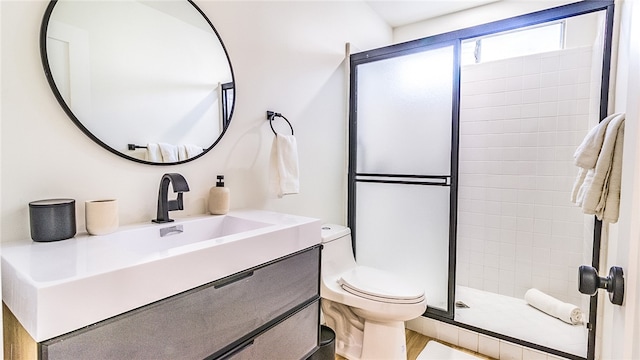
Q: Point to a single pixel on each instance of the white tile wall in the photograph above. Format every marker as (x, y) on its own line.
(468, 339)
(529, 354)
(521, 120)
(509, 351)
(489, 346)
(448, 333)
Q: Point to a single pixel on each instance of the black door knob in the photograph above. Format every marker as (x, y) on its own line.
(589, 282)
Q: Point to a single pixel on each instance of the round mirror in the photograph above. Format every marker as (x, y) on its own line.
(150, 81)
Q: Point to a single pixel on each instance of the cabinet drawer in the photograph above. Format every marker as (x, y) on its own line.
(284, 340)
(202, 321)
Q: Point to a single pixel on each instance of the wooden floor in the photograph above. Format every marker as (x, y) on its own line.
(416, 343)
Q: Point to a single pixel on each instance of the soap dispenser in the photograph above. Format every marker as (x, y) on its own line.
(219, 198)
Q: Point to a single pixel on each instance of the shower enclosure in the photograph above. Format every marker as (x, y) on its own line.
(461, 169)
(403, 206)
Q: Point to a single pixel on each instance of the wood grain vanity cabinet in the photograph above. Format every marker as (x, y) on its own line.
(267, 312)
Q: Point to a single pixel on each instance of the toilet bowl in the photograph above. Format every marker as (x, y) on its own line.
(366, 307)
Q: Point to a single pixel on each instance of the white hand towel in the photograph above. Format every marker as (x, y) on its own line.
(566, 312)
(594, 193)
(182, 153)
(169, 152)
(153, 153)
(283, 170)
(193, 150)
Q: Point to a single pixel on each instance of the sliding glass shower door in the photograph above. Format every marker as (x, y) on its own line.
(402, 186)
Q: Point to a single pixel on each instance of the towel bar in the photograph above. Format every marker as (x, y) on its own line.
(271, 116)
(134, 146)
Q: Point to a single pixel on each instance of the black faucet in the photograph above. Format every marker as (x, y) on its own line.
(164, 204)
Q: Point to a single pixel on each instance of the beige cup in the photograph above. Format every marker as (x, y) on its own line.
(101, 216)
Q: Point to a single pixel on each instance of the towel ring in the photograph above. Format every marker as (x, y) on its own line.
(271, 116)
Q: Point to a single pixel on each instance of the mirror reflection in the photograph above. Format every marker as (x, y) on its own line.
(148, 80)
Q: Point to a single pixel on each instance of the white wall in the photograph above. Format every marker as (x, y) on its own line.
(521, 119)
(287, 57)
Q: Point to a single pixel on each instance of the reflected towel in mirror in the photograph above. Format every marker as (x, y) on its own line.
(193, 150)
(153, 153)
(169, 152)
(188, 151)
(566, 312)
(182, 153)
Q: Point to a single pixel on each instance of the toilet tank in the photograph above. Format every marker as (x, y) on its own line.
(332, 232)
(337, 253)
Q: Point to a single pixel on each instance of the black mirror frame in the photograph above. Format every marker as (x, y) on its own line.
(56, 92)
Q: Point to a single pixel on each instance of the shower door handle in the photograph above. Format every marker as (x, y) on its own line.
(589, 282)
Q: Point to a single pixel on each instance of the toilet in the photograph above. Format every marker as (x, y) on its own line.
(366, 307)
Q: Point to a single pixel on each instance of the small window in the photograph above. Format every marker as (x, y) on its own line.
(527, 41)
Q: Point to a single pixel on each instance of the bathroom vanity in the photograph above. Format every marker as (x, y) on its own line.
(238, 286)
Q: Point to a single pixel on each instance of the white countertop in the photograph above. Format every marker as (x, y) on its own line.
(58, 287)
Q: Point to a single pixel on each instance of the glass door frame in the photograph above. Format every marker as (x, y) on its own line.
(410, 179)
(456, 37)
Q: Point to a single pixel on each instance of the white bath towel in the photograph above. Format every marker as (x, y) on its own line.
(169, 152)
(192, 150)
(597, 188)
(284, 174)
(153, 153)
(566, 312)
(586, 154)
(611, 205)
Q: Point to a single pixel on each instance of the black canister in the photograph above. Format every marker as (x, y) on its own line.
(52, 219)
(327, 345)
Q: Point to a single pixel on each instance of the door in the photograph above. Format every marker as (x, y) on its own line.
(620, 325)
(402, 152)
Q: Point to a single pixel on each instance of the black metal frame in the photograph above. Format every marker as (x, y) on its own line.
(56, 92)
(409, 179)
(548, 15)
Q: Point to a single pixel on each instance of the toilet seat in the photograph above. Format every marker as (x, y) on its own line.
(378, 285)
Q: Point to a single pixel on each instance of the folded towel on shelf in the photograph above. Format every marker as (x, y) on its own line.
(566, 312)
(153, 153)
(284, 176)
(169, 152)
(597, 186)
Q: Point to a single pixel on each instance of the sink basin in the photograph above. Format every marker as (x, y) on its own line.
(54, 288)
(152, 240)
